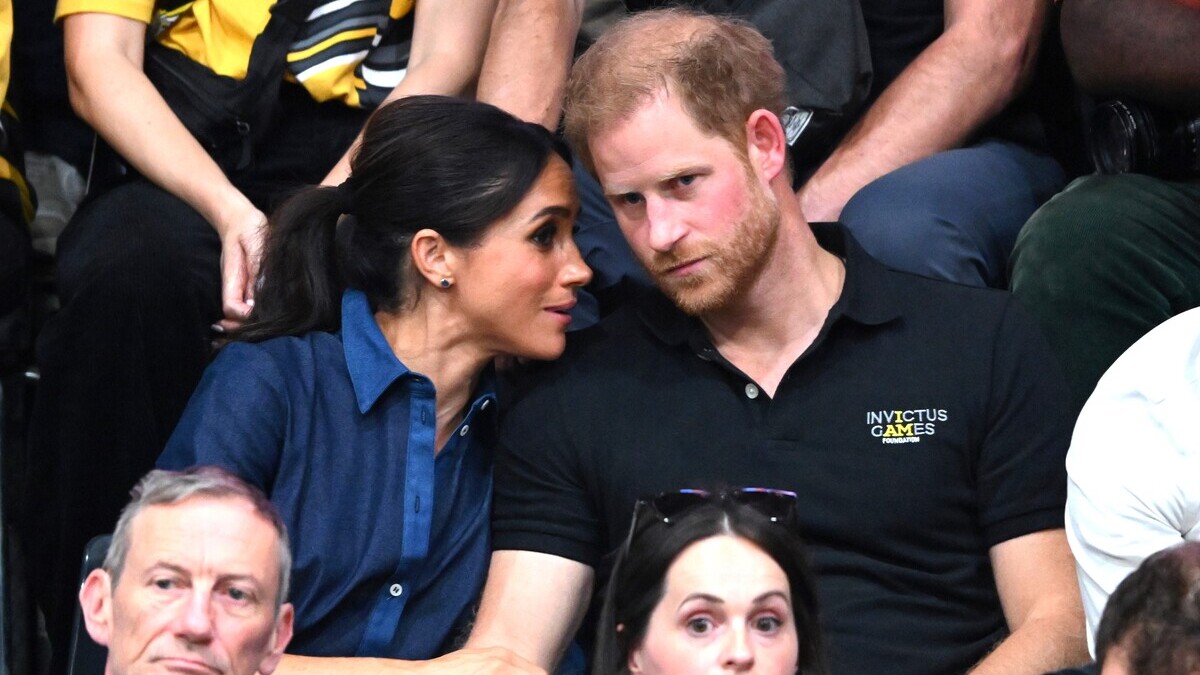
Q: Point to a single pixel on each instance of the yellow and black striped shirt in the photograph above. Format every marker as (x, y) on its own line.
(8, 170)
(355, 51)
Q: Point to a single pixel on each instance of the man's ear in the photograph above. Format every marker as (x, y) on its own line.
(95, 601)
(283, 635)
(432, 256)
(766, 143)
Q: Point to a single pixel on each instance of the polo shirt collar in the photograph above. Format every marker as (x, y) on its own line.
(866, 294)
(372, 364)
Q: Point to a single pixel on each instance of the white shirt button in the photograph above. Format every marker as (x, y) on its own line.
(751, 390)
(463, 431)
(396, 590)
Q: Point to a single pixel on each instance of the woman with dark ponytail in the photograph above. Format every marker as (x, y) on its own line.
(359, 393)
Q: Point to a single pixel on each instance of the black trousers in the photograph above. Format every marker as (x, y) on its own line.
(138, 274)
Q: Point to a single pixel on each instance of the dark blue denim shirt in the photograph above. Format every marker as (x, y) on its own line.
(390, 542)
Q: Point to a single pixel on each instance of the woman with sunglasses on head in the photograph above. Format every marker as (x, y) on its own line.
(359, 393)
(710, 583)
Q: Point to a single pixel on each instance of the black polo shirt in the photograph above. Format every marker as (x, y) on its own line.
(925, 424)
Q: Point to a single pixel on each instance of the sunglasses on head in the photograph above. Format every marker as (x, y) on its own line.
(778, 506)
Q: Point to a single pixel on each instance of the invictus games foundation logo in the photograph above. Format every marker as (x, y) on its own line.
(904, 426)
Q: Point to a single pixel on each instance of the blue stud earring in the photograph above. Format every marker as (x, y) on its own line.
(445, 283)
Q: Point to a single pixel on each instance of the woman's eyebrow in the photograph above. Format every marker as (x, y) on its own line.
(556, 210)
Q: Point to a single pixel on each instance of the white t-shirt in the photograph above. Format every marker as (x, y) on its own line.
(1134, 464)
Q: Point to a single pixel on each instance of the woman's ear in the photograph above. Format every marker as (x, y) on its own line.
(432, 257)
(634, 663)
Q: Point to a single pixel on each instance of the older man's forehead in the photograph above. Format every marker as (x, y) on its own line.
(202, 534)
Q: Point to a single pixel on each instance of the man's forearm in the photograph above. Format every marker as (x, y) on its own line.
(966, 76)
(466, 661)
(1039, 646)
(449, 39)
(528, 56)
(1143, 48)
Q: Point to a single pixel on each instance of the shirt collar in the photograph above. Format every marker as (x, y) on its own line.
(866, 294)
(372, 364)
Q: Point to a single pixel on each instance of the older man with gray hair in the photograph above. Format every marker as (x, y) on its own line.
(195, 579)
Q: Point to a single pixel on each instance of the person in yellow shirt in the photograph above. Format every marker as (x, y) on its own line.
(16, 205)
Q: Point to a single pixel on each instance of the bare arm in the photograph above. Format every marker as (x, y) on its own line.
(449, 39)
(496, 661)
(1142, 48)
(533, 604)
(109, 90)
(525, 70)
(969, 74)
(1036, 581)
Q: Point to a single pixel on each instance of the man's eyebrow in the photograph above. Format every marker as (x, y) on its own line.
(163, 565)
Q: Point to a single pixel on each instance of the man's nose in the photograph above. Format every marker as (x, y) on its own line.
(665, 225)
(194, 622)
(738, 655)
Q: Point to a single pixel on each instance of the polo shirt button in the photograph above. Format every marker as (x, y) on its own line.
(396, 590)
(463, 431)
(751, 390)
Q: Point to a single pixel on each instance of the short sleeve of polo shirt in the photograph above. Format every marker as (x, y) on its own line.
(1021, 473)
(138, 10)
(540, 501)
(235, 419)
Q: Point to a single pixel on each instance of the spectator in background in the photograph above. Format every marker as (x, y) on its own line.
(195, 579)
(949, 160)
(1134, 461)
(16, 210)
(359, 394)
(710, 583)
(146, 266)
(1114, 255)
(1151, 625)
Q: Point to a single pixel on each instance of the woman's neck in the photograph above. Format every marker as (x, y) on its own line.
(431, 342)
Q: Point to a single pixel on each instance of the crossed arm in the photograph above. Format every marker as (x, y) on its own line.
(966, 76)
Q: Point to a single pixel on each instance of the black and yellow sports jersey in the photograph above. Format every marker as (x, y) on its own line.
(355, 51)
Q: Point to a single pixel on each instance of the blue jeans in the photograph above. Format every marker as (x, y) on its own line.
(954, 215)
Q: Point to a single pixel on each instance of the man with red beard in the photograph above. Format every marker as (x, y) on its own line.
(917, 421)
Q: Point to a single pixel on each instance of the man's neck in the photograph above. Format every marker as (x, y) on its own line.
(779, 316)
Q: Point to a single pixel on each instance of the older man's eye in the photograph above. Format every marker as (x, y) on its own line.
(165, 583)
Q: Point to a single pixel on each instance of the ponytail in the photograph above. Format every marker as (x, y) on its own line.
(300, 284)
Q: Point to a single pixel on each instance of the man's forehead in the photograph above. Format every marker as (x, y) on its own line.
(200, 521)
